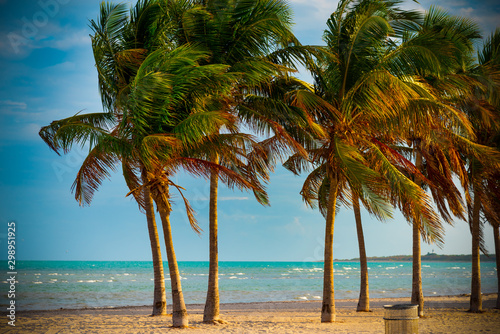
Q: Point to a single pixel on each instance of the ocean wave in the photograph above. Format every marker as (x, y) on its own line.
(263, 282)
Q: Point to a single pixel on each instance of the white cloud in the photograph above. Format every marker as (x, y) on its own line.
(484, 12)
(14, 104)
(66, 66)
(233, 198)
(410, 5)
(30, 132)
(466, 11)
(240, 217)
(223, 198)
(312, 15)
(295, 227)
(16, 44)
(76, 38)
(24, 132)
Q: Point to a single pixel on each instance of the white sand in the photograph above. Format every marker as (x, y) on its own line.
(444, 314)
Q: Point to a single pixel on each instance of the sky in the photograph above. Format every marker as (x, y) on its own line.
(48, 73)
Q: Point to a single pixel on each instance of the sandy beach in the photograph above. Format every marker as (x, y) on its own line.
(444, 314)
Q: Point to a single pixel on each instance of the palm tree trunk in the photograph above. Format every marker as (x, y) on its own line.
(475, 294)
(364, 295)
(328, 307)
(179, 312)
(211, 313)
(496, 236)
(417, 295)
(159, 299)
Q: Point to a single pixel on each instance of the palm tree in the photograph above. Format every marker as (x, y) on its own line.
(159, 300)
(361, 86)
(494, 183)
(131, 56)
(244, 35)
(493, 215)
(170, 121)
(497, 256)
(120, 43)
(482, 205)
(113, 24)
(200, 115)
(440, 155)
(448, 41)
(482, 107)
(364, 294)
(437, 156)
(121, 49)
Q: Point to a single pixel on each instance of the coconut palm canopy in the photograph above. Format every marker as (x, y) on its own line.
(52, 78)
(169, 112)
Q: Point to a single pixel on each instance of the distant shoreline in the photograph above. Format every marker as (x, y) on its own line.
(427, 257)
(391, 258)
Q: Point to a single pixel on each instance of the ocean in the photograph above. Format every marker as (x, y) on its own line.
(45, 285)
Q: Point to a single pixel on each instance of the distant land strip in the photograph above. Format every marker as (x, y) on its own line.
(427, 257)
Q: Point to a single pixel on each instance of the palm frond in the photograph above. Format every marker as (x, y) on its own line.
(97, 120)
(96, 167)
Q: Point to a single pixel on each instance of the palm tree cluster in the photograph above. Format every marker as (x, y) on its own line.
(399, 112)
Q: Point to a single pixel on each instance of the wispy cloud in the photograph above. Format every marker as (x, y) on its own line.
(14, 104)
(307, 14)
(466, 11)
(72, 39)
(295, 227)
(486, 12)
(19, 133)
(233, 198)
(224, 198)
(30, 131)
(17, 44)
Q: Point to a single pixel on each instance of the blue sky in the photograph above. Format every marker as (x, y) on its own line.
(47, 73)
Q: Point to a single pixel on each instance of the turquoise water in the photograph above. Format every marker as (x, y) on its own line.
(78, 284)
